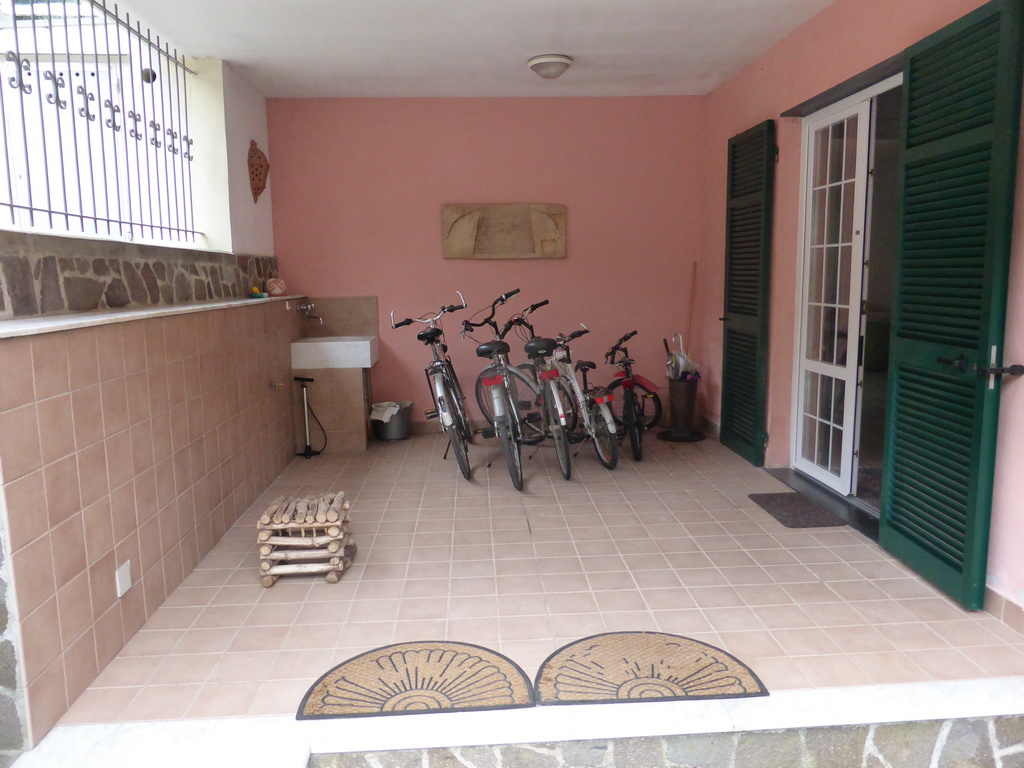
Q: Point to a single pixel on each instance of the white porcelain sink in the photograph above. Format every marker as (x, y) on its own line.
(334, 352)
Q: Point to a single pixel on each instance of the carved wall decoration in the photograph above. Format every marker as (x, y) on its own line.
(503, 231)
(259, 169)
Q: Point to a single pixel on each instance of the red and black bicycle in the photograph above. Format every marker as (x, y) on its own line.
(639, 407)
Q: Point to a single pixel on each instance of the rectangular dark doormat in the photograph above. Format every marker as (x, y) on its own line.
(794, 510)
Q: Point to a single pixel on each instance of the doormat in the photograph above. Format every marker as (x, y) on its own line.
(408, 678)
(794, 510)
(644, 666)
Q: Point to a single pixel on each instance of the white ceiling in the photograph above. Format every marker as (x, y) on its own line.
(381, 48)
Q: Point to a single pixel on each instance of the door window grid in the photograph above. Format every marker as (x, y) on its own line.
(832, 217)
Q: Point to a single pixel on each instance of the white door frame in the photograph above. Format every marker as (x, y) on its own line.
(850, 373)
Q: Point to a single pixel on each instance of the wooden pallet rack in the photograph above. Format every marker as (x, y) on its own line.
(308, 535)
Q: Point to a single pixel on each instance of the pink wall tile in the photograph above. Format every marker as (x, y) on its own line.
(114, 394)
(99, 530)
(19, 442)
(80, 667)
(63, 498)
(16, 379)
(87, 409)
(67, 542)
(50, 364)
(34, 584)
(92, 473)
(40, 638)
(47, 700)
(27, 493)
(110, 349)
(74, 609)
(83, 358)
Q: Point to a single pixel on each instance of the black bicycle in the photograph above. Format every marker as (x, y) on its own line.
(449, 402)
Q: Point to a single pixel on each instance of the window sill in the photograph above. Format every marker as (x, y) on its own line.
(32, 326)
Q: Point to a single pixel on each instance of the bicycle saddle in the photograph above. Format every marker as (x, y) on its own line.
(492, 348)
(584, 365)
(428, 335)
(540, 347)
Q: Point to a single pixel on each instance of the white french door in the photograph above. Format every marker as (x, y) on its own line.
(836, 168)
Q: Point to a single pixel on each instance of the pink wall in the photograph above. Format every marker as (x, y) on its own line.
(359, 185)
(841, 41)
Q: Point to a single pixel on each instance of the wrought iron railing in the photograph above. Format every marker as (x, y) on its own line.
(95, 135)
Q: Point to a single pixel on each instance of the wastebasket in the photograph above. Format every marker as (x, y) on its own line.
(682, 400)
(391, 421)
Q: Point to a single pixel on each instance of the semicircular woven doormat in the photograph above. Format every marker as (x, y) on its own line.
(628, 666)
(407, 678)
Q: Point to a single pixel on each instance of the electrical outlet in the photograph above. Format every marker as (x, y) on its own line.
(123, 577)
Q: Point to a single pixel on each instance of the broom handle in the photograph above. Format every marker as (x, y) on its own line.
(689, 319)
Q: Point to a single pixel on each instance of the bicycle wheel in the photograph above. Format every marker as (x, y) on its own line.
(605, 445)
(483, 394)
(573, 408)
(650, 402)
(525, 392)
(503, 429)
(559, 433)
(631, 424)
(459, 406)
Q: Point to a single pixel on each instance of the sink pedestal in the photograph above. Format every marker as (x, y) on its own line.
(340, 394)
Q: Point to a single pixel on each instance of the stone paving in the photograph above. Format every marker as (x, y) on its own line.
(996, 742)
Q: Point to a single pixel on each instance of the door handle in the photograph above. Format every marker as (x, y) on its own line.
(960, 363)
(1010, 370)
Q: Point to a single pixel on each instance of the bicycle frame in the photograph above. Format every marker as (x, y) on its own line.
(585, 396)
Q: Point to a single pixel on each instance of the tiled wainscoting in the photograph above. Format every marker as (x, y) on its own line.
(141, 442)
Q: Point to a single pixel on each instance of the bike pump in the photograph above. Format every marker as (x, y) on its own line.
(308, 452)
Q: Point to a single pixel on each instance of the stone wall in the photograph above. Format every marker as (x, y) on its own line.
(995, 742)
(47, 274)
(12, 729)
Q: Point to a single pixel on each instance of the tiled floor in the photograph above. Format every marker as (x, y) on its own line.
(670, 544)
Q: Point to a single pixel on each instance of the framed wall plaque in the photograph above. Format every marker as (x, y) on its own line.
(503, 231)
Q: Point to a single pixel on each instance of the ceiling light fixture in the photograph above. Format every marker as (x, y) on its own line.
(550, 65)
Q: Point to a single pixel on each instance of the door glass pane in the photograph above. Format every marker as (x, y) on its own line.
(833, 214)
(850, 171)
(807, 444)
(818, 217)
(813, 333)
(843, 288)
(821, 157)
(837, 153)
(816, 276)
(849, 194)
(830, 294)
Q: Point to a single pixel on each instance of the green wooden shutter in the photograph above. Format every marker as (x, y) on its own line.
(961, 118)
(748, 243)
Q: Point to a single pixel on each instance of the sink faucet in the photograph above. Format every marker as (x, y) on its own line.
(307, 310)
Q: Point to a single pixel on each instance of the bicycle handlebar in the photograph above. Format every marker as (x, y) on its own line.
(428, 319)
(468, 325)
(609, 356)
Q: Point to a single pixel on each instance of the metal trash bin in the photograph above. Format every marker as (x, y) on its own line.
(387, 423)
(682, 404)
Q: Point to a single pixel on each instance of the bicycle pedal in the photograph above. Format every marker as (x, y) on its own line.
(486, 432)
(533, 418)
(430, 413)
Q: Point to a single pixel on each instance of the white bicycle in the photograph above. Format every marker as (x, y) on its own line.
(592, 405)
